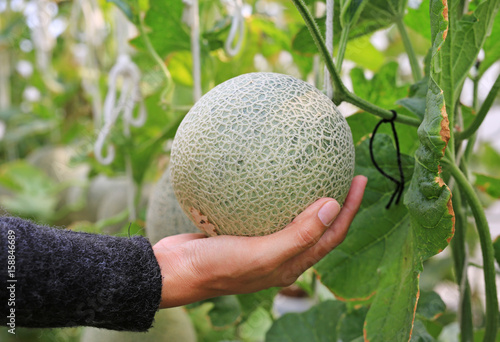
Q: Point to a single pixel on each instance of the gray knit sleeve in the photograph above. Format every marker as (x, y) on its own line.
(63, 278)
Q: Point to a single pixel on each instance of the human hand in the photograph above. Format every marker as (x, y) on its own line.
(195, 267)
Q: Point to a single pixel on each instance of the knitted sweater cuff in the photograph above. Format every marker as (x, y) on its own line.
(65, 278)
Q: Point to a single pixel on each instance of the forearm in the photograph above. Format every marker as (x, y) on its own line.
(64, 278)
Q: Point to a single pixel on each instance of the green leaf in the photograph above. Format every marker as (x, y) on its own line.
(374, 16)
(418, 19)
(486, 159)
(384, 9)
(167, 31)
(225, 311)
(35, 195)
(361, 51)
(376, 262)
(319, 324)
(420, 334)
(464, 40)
(491, 47)
(430, 305)
(468, 115)
(259, 300)
(362, 124)
(350, 11)
(392, 312)
(351, 327)
(488, 184)
(428, 198)
(204, 329)
(415, 102)
(254, 329)
(383, 89)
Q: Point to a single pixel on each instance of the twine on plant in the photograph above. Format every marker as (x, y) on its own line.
(130, 97)
(329, 45)
(400, 184)
(91, 37)
(39, 15)
(5, 95)
(235, 38)
(192, 18)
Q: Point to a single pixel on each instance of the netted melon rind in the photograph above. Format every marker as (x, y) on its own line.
(164, 216)
(258, 149)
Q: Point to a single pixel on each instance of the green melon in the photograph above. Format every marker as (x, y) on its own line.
(164, 216)
(170, 325)
(258, 149)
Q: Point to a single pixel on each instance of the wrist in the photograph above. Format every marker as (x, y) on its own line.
(180, 284)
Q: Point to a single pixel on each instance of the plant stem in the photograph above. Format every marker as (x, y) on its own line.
(474, 93)
(459, 262)
(468, 149)
(486, 249)
(485, 107)
(320, 44)
(155, 55)
(344, 37)
(376, 110)
(341, 93)
(415, 67)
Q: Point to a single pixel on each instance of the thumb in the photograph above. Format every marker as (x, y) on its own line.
(305, 230)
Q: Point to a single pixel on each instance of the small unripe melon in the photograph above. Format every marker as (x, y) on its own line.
(165, 216)
(171, 324)
(258, 149)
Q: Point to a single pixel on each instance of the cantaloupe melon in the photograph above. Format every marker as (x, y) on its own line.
(170, 325)
(256, 150)
(165, 216)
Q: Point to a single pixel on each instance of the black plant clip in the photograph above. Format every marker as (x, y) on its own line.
(400, 184)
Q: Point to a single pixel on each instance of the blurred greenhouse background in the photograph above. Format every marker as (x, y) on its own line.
(91, 94)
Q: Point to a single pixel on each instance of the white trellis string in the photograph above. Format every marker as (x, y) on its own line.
(329, 45)
(233, 43)
(94, 25)
(130, 96)
(39, 15)
(92, 37)
(4, 87)
(192, 18)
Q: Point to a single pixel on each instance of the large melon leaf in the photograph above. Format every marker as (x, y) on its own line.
(319, 324)
(167, 32)
(418, 19)
(453, 62)
(377, 261)
(429, 199)
(491, 47)
(488, 184)
(375, 15)
(363, 124)
(381, 258)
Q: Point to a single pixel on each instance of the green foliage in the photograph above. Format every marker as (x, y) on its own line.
(470, 30)
(319, 324)
(35, 195)
(384, 276)
(383, 273)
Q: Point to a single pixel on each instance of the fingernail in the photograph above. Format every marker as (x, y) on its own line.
(328, 212)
